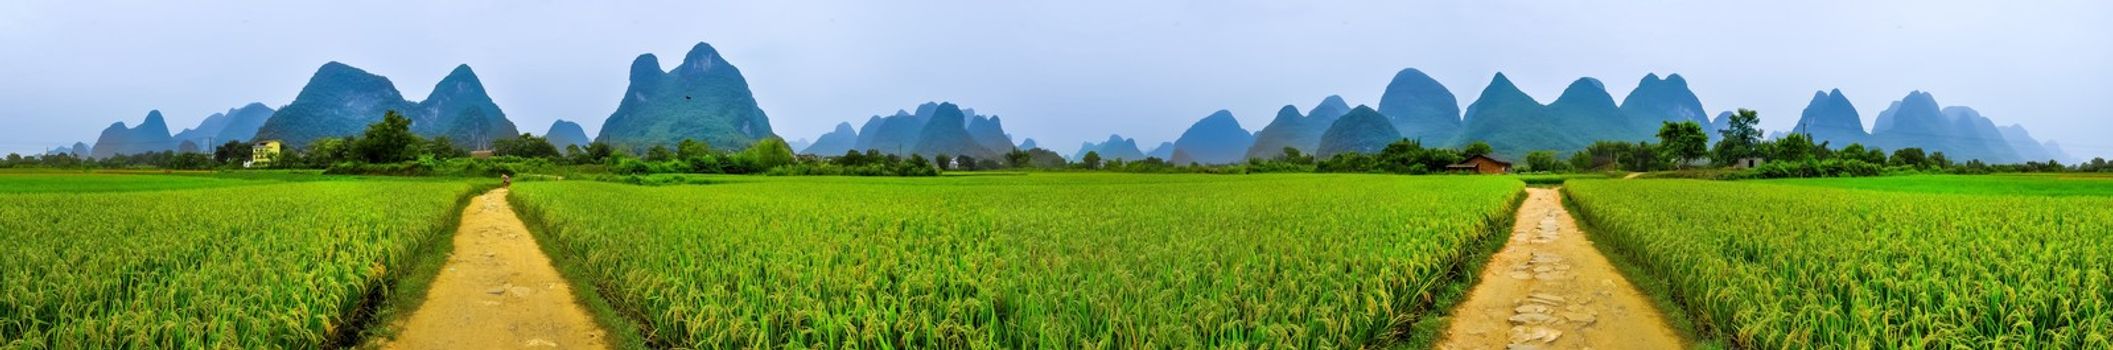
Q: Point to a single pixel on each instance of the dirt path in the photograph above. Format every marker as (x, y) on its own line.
(497, 291)
(1550, 289)
(1631, 176)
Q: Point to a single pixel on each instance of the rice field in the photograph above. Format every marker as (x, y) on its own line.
(1773, 266)
(1040, 261)
(65, 182)
(2007, 185)
(145, 262)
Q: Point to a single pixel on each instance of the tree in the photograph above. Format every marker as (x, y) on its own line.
(659, 153)
(944, 162)
(1792, 147)
(1939, 161)
(1856, 152)
(1581, 161)
(388, 141)
(525, 146)
(441, 147)
(232, 152)
(692, 149)
(595, 153)
(1092, 160)
(322, 152)
(1910, 156)
(1018, 158)
(1643, 156)
(1681, 142)
(1293, 156)
(770, 152)
(966, 163)
(1543, 161)
(1477, 148)
(1741, 136)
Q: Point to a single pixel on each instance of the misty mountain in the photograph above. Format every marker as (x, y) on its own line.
(835, 142)
(947, 134)
(1960, 132)
(1216, 139)
(341, 100)
(1513, 123)
(1291, 129)
(1363, 130)
(1421, 108)
(927, 132)
(565, 133)
(237, 124)
(338, 101)
(2028, 149)
(1164, 151)
(459, 109)
(1028, 144)
(1655, 101)
(2051, 147)
(704, 98)
(152, 135)
(1832, 119)
(1116, 147)
(894, 134)
(77, 150)
(989, 132)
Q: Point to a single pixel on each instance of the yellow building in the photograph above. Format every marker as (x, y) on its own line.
(262, 153)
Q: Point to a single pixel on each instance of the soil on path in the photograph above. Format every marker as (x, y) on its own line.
(1550, 289)
(497, 291)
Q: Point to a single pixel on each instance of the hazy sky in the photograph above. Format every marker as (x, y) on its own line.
(1060, 72)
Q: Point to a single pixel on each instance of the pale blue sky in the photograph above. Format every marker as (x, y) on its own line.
(1059, 72)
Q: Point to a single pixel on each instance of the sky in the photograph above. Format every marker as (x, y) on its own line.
(1060, 72)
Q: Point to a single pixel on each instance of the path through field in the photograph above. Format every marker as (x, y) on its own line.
(497, 291)
(1550, 289)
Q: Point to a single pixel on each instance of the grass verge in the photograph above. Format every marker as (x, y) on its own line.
(623, 325)
(394, 301)
(1658, 290)
(1467, 272)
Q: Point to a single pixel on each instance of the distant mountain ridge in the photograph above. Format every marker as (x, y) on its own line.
(938, 128)
(1116, 147)
(1215, 139)
(566, 133)
(340, 100)
(704, 98)
(1421, 108)
(1302, 132)
(152, 135)
(1363, 130)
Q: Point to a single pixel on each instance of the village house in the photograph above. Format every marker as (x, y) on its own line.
(1480, 164)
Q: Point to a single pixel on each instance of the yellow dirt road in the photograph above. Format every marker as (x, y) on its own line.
(1550, 289)
(497, 291)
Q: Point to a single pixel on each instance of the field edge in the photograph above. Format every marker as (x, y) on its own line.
(624, 329)
(1425, 332)
(393, 301)
(1673, 307)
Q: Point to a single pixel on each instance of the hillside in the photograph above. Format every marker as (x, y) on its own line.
(1364, 130)
(704, 98)
(152, 135)
(1215, 139)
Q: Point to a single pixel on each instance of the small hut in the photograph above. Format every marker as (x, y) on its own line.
(1481, 164)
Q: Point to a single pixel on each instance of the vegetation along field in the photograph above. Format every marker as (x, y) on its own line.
(1041, 261)
(1773, 266)
(136, 261)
